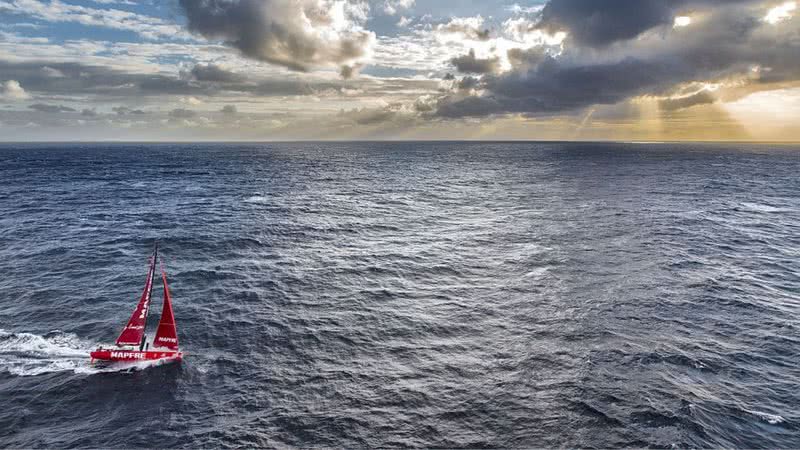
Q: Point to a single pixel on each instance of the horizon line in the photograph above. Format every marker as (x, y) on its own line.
(279, 141)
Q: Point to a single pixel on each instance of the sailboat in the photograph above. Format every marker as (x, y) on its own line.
(132, 344)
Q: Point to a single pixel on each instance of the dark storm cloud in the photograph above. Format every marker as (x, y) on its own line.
(552, 87)
(216, 74)
(470, 64)
(469, 107)
(42, 107)
(467, 83)
(728, 42)
(596, 23)
(295, 34)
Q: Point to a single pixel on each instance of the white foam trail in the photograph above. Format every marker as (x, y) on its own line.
(27, 354)
(759, 207)
(773, 419)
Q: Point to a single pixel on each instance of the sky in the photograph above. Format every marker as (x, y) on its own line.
(226, 70)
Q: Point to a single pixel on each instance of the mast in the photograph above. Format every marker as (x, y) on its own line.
(133, 333)
(167, 333)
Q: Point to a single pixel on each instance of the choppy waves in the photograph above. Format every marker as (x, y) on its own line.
(406, 295)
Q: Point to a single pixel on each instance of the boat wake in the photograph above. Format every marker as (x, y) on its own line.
(27, 354)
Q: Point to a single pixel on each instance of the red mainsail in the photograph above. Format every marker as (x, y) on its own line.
(133, 332)
(167, 334)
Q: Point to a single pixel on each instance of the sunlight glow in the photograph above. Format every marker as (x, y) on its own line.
(682, 21)
(780, 13)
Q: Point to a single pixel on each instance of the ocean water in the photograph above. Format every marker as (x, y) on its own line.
(405, 294)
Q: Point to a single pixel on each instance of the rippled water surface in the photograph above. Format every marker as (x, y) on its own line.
(406, 294)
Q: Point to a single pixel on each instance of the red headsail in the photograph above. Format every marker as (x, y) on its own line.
(167, 335)
(133, 332)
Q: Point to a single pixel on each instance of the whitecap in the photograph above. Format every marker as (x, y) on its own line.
(760, 207)
(261, 199)
(773, 419)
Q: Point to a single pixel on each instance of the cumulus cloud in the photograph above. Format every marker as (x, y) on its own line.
(229, 109)
(12, 90)
(469, 63)
(466, 27)
(728, 43)
(296, 34)
(391, 7)
(404, 22)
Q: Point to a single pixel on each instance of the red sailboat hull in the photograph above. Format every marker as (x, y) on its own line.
(114, 355)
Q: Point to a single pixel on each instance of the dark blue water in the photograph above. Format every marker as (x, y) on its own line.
(406, 294)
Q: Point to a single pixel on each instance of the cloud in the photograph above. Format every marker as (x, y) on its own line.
(676, 103)
(190, 100)
(296, 34)
(99, 80)
(124, 111)
(781, 12)
(42, 107)
(470, 64)
(468, 83)
(181, 113)
(467, 27)
(56, 11)
(391, 7)
(349, 71)
(597, 24)
(12, 90)
(726, 44)
(229, 109)
(214, 73)
(52, 73)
